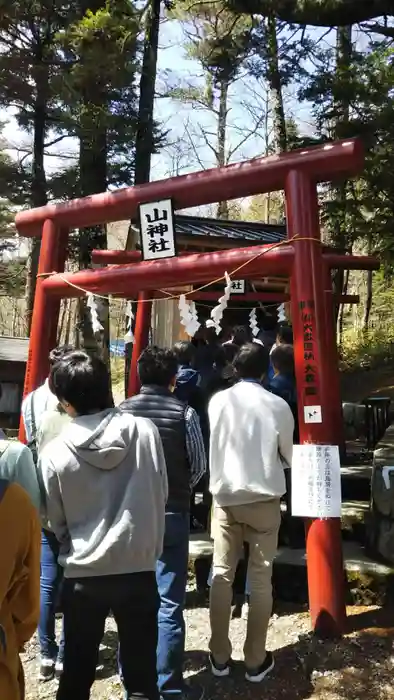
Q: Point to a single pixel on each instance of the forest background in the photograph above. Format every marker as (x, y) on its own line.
(97, 95)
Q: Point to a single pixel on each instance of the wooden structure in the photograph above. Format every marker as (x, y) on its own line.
(13, 359)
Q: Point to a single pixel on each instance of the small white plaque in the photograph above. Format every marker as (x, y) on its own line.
(316, 481)
(238, 287)
(312, 414)
(157, 231)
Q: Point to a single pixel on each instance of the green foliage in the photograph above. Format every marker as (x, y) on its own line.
(368, 348)
(97, 87)
(217, 38)
(367, 88)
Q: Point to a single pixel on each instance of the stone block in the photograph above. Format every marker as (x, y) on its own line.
(354, 416)
(380, 524)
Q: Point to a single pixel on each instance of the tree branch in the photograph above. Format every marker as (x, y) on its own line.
(332, 13)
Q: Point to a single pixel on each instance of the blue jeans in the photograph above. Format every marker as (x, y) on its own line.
(171, 575)
(50, 581)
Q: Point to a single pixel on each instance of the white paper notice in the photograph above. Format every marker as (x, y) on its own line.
(316, 481)
(312, 414)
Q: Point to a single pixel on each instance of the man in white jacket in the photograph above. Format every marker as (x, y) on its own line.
(251, 446)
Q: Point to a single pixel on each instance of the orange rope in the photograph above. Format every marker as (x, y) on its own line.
(169, 296)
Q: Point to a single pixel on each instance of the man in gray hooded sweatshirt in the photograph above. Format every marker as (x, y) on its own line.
(106, 485)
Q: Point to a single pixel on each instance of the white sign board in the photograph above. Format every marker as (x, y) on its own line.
(316, 481)
(238, 287)
(312, 414)
(157, 230)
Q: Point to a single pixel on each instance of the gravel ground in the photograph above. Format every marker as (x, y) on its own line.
(360, 666)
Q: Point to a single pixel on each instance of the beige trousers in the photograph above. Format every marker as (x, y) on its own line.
(258, 524)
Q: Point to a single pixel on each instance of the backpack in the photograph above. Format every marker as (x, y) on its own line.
(3, 488)
(32, 445)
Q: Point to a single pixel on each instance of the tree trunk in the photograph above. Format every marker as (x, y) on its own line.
(341, 237)
(368, 301)
(39, 185)
(144, 142)
(342, 309)
(222, 208)
(93, 178)
(368, 298)
(275, 87)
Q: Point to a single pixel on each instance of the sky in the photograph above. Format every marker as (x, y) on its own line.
(186, 150)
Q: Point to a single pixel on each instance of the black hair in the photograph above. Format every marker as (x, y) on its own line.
(211, 337)
(240, 335)
(230, 350)
(285, 334)
(268, 322)
(184, 352)
(251, 361)
(282, 359)
(58, 353)
(83, 382)
(157, 366)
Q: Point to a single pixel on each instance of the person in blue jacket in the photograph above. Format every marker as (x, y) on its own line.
(283, 383)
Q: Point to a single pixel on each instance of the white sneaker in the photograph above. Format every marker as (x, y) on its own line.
(58, 669)
(219, 670)
(258, 675)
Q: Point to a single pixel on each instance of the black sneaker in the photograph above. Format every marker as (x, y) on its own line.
(258, 674)
(47, 670)
(194, 691)
(219, 670)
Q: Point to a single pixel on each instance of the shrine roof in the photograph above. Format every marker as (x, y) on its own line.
(204, 227)
(13, 349)
(247, 230)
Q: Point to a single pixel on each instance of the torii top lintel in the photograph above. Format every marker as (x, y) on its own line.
(260, 175)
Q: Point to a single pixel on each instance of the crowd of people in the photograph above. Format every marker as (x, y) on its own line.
(97, 507)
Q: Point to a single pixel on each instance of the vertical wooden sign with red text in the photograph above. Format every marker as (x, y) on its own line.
(310, 388)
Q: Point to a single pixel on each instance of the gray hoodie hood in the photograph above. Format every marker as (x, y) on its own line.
(101, 440)
(106, 486)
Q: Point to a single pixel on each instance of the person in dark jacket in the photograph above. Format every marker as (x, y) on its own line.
(284, 336)
(184, 452)
(223, 375)
(206, 354)
(239, 336)
(268, 332)
(188, 380)
(188, 389)
(283, 381)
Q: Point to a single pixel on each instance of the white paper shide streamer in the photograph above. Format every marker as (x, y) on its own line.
(253, 323)
(188, 314)
(217, 311)
(281, 313)
(92, 305)
(129, 337)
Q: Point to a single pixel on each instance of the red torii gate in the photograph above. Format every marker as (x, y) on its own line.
(113, 257)
(303, 260)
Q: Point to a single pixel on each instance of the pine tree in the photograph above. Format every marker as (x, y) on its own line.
(28, 66)
(100, 108)
(219, 41)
